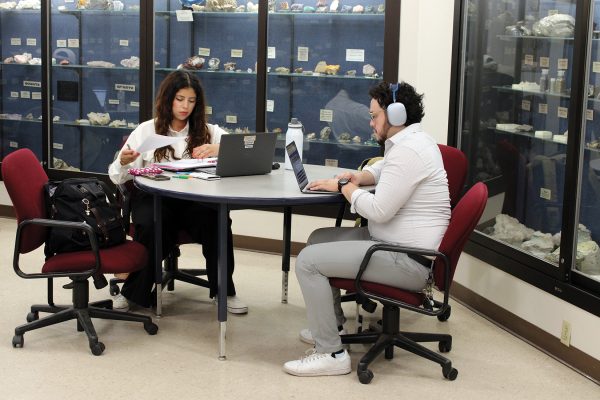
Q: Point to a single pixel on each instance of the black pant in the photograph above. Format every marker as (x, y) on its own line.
(201, 222)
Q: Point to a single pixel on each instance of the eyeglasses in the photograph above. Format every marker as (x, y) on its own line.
(373, 115)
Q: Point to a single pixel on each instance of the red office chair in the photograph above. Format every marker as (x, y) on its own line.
(24, 179)
(455, 164)
(465, 217)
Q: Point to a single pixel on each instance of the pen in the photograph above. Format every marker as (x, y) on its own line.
(180, 176)
(128, 146)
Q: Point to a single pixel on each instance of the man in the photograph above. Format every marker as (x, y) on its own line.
(410, 207)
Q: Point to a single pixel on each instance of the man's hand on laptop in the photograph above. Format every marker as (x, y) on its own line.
(329, 185)
(206, 150)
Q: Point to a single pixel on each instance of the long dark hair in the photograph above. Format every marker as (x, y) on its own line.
(198, 131)
(406, 94)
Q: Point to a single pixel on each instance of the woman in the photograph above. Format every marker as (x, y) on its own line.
(180, 111)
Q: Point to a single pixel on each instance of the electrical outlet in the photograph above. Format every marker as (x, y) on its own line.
(565, 333)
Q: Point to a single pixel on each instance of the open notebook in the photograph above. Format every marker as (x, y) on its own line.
(188, 164)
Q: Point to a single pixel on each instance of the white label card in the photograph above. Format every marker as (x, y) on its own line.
(113, 101)
(208, 110)
(589, 115)
(596, 66)
(545, 62)
(302, 53)
(355, 55)
(184, 15)
(57, 146)
(231, 119)
(31, 42)
(25, 94)
(124, 87)
(15, 41)
(325, 115)
(124, 43)
(61, 43)
(32, 84)
(331, 162)
(526, 105)
(543, 108)
(13, 144)
(134, 104)
(563, 63)
(270, 105)
(73, 43)
(271, 52)
(528, 59)
(14, 94)
(237, 53)
(36, 95)
(204, 51)
(562, 112)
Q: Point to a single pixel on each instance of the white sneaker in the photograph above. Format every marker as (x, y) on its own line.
(306, 336)
(120, 303)
(235, 305)
(319, 364)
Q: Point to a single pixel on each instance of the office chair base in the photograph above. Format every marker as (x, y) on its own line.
(390, 336)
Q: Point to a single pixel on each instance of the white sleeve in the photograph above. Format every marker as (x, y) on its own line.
(117, 172)
(215, 133)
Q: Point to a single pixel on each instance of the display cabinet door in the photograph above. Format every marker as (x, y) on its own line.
(516, 95)
(20, 79)
(219, 44)
(322, 58)
(586, 262)
(94, 82)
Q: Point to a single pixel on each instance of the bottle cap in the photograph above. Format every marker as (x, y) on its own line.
(294, 123)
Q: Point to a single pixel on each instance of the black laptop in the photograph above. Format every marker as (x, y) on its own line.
(245, 154)
(299, 171)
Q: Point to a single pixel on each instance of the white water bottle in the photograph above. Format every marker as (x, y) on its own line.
(294, 134)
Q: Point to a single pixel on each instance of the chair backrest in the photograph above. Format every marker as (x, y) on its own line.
(24, 179)
(455, 164)
(463, 221)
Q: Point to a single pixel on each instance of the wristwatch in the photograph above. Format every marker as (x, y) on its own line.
(342, 182)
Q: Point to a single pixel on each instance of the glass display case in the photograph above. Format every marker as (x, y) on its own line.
(528, 121)
(322, 58)
(20, 79)
(78, 76)
(94, 81)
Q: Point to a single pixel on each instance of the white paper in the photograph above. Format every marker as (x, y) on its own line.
(155, 141)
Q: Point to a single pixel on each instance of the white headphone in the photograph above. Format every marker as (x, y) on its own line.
(396, 112)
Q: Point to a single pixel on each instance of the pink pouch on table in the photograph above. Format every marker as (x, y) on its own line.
(151, 170)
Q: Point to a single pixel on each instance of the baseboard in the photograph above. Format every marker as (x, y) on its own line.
(530, 333)
(7, 211)
(264, 245)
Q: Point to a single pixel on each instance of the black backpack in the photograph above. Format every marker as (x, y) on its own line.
(82, 200)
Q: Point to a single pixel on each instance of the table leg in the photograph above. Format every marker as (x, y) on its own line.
(285, 259)
(222, 278)
(158, 253)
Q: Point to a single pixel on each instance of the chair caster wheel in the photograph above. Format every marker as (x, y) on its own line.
(114, 290)
(445, 346)
(33, 316)
(443, 317)
(449, 372)
(97, 348)
(365, 377)
(151, 328)
(17, 341)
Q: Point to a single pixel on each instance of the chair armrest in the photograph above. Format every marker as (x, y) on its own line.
(51, 223)
(408, 250)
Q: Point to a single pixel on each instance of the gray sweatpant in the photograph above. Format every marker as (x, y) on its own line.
(338, 252)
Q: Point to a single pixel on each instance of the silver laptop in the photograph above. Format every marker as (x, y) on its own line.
(245, 154)
(299, 171)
